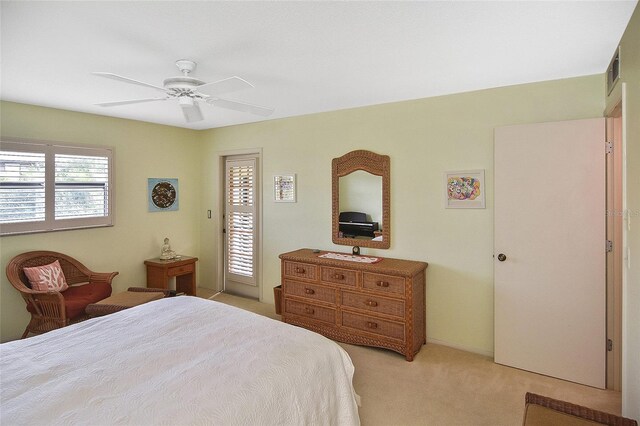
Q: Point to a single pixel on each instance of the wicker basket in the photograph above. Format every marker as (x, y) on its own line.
(277, 295)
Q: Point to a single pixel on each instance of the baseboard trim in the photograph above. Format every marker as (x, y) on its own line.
(461, 347)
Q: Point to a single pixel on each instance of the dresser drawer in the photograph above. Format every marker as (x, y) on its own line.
(309, 291)
(339, 276)
(300, 270)
(385, 283)
(180, 270)
(373, 303)
(319, 313)
(371, 324)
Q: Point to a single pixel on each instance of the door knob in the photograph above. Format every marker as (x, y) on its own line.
(502, 257)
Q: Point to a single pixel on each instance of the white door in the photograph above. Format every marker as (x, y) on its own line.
(550, 249)
(241, 226)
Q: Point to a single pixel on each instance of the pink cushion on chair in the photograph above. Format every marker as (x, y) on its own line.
(46, 277)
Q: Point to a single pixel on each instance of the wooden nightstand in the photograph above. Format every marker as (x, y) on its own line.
(184, 269)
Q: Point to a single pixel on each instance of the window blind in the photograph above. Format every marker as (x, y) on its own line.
(241, 218)
(46, 186)
(22, 195)
(241, 185)
(240, 248)
(82, 184)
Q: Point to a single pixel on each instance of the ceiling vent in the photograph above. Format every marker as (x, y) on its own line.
(613, 71)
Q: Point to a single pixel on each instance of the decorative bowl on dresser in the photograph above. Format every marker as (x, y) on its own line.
(378, 304)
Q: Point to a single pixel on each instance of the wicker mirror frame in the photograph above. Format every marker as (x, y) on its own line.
(375, 164)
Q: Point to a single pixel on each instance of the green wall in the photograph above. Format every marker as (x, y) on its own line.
(424, 138)
(142, 150)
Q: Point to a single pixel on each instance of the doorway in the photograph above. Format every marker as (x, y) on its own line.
(241, 225)
(615, 247)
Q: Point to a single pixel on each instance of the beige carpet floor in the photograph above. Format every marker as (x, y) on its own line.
(443, 386)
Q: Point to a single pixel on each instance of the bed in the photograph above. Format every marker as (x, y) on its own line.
(175, 361)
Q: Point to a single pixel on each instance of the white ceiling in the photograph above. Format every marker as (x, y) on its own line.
(303, 57)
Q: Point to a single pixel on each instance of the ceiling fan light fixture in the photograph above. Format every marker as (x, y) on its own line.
(190, 91)
(185, 101)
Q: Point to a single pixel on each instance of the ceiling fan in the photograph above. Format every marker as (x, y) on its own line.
(189, 91)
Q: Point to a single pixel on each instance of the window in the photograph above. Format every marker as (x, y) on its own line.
(240, 220)
(50, 186)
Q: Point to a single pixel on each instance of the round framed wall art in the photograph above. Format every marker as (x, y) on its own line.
(162, 194)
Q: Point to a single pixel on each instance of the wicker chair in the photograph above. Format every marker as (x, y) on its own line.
(544, 411)
(52, 309)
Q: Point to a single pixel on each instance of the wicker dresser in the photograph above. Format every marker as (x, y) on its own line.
(375, 304)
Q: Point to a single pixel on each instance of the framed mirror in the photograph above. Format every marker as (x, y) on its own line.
(361, 200)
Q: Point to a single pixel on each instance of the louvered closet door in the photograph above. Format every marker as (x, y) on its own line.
(241, 226)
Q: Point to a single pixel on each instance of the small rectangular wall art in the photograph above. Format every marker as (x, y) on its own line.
(284, 188)
(464, 189)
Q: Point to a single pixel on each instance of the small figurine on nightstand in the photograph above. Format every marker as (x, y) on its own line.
(167, 253)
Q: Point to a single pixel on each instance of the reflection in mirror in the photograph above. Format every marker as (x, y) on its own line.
(361, 200)
(360, 206)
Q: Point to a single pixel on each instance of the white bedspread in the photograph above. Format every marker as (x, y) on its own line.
(175, 361)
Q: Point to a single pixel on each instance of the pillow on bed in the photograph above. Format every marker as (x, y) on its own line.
(46, 277)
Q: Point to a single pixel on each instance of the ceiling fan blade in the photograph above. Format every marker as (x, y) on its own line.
(127, 80)
(132, 101)
(192, 113)
(242, 106)
(231, 84)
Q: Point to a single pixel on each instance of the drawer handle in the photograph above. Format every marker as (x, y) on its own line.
(371, 303)
(338, 276)
(309, 291)
(309, 310)
(382, 284)
(299, 270)
(371, 324)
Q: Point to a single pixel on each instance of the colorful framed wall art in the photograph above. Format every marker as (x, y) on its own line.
(464, 189)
